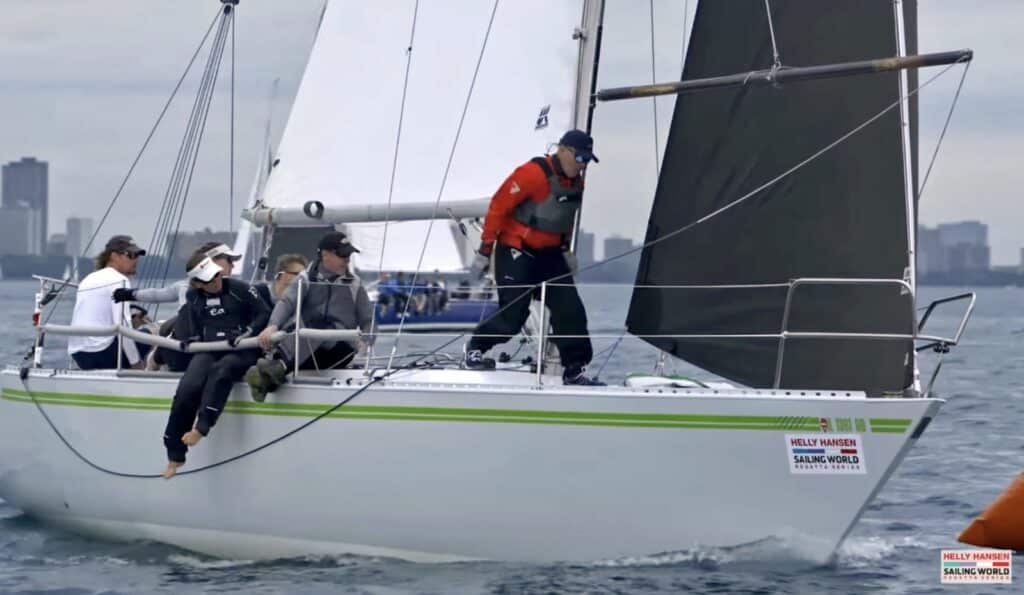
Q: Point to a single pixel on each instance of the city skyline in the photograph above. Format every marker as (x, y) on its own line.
(87, 110)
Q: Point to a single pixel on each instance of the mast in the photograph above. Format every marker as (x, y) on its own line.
(911, 191)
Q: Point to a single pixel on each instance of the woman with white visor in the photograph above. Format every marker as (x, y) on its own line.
(216, 308)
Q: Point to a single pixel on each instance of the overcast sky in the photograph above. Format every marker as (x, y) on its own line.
(82, 81)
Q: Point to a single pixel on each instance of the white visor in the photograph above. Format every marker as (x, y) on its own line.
(205, 271)
(223, 250)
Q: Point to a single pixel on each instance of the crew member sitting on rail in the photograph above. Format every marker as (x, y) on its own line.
(93, 307)
(217, 309)
(332, 298)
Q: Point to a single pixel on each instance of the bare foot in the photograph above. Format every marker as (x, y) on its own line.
(192, 438)
(172, 468)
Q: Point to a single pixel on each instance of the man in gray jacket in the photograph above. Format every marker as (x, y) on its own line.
(332, 298)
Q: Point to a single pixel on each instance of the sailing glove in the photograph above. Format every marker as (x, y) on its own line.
(234, 338)
(124, 294)
(481, 262)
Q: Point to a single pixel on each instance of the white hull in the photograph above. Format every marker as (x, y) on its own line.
(435, 466)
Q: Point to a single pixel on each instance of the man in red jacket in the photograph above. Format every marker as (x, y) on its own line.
(527, 231)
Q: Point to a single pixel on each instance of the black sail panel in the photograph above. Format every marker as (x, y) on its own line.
(843, 215)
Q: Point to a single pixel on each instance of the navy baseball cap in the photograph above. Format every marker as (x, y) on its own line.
(582, 143)
(338, 243)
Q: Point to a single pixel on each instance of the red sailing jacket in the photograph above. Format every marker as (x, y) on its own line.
(527, 182)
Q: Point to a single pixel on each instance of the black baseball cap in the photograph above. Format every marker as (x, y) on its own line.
(338, 243)
(124, 244)
(582, 143)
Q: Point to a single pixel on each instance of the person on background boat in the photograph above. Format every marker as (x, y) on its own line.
(332, 298)
(93, 307)
(218, 308)
(176, 361)
(289, 266)
(527, 232)
(384, 294)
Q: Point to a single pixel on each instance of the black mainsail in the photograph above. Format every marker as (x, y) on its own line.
(844, 215)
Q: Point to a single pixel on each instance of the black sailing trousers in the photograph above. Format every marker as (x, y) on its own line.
(514, 268)
(202, 392)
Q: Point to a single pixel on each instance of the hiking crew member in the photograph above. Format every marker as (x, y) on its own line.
(217, 309)
(289, 266)
(93, 307)
(527, 231)
(332, 298)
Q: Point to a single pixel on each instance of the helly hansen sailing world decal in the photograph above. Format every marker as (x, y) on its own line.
(825, 453)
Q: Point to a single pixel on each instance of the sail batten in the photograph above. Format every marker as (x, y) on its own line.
(843, 215)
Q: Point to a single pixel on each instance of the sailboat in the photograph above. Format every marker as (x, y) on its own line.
(801, 291)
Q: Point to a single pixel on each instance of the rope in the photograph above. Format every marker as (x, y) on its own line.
(611, 352)
(942, 135)
(447, 169)
(776, 61)
(221, 463)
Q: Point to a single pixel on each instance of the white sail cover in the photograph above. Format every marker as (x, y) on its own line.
(339, 143)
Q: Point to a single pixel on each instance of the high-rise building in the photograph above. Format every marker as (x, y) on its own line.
(621, 269)
(953, 248)
(79, 231)
(57, 245)
(19, 231)
(974, 233)
(26, 185)
(585, 248)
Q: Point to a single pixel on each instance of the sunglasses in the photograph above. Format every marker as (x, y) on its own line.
(288, 273)
(581, 159)
(130, 255)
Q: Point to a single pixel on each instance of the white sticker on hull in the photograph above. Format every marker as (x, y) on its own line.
(833, 454)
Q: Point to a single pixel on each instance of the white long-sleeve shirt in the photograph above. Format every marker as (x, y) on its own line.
(95, 306)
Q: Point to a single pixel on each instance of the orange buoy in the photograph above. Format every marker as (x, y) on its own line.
(1001, 526)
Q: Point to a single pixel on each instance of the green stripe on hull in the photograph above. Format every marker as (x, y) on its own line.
(442, 414)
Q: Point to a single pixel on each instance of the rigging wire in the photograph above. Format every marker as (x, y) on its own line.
(942, 135)
(231, 158)
(776, 61)
(447, 170)
(173, 194)
(131, 169)
(394, 159)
